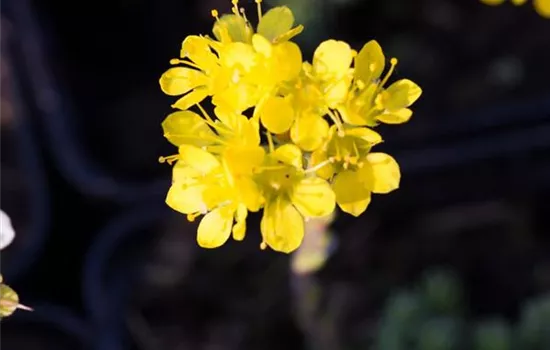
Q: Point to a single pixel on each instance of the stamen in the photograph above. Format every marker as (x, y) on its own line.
(204, 114)
(393, 63)
(259, 7)
(235, 8)
(316, 167)
(169, 159)
(270, 142)
(263, 245)
(193, 216)
(244, 15)
(215, 14)
(336, 119)
(216, 126)
(24, 307)
(355, 150)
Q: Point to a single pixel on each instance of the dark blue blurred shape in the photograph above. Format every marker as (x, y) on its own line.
(58, 115)
(111, 266)
(48, 327)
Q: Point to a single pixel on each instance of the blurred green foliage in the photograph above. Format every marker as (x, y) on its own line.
(434, 316)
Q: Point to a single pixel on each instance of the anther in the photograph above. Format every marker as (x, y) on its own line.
(192, 217)
(263, 245)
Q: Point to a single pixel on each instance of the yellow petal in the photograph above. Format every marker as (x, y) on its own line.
(351, 116)
(262, 45)
(197, 49)
(289, 35)
(385, 172)
(237, 97)
(275, 22)
(249, 193)
(191, 99)
(398, 117)
(309, 132)
(402, 94)
(337, 92)
(313, 197)
(349, 187)
(369, 62)
(542, 7)
(179, 80)
(186, 199)
(187, 127)
(289, 60)
(242, 160)
(289, 154)
(232, 28)
(215, 228)
(238, 55)
(355, 208)
(277, 115)
(184, 174)
(282, 226)
(320, 156)
(332, 59)
(198, 158)
(242, 130)
(365, 134)
(239, 230)
(216, 193)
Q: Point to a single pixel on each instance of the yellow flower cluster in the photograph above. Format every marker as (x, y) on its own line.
(541, 6)
(316, 119)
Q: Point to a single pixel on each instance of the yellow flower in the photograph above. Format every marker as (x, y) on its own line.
(291, 195)
(202, 75)
(368, 102)
(344, 151)
(331, 69)
(204, 184)
(316, 118)
(379, 174)
(541, 6)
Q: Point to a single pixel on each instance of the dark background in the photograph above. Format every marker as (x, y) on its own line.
(458, 258)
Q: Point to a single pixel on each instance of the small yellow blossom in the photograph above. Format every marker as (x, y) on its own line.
(379, 174)
(317, 120)
(541, 6)
(291, 196)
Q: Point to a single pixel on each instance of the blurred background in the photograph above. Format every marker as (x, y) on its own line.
(458, 258)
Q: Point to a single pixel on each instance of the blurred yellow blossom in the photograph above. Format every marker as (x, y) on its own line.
(316, 120)
(541, 6)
